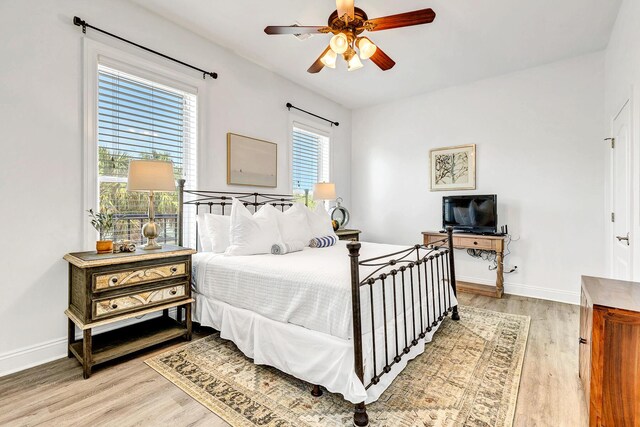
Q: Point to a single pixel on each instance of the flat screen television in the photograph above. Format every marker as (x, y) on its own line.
(470, 214)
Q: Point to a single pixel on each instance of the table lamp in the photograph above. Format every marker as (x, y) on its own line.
(149, 176)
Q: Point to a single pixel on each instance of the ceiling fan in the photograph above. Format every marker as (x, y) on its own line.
(347, 24)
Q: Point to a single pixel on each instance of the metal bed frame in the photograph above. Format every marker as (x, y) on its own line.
(410, 273)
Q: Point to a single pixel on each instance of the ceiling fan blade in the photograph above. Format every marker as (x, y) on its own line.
(382, 60)
(294, 29)
(417, 17)
(345, 7)
(317, 66)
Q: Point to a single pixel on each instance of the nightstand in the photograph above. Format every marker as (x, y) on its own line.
(346, 234)
(108, 288)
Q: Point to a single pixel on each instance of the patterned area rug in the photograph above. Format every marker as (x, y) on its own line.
(468, 376)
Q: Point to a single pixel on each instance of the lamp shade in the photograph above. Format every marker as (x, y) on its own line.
(339, 43)
(367, 48)
(150, 175)
(324, 191)
(329, 59)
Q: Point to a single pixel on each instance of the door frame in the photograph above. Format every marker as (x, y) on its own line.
(632, 176)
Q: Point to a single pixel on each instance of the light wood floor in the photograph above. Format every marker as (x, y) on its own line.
(131, 393)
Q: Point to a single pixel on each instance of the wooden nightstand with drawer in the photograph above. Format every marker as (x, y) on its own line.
(108, 288)
(348, 234)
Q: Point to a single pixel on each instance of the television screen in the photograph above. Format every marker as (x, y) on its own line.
(473, 214)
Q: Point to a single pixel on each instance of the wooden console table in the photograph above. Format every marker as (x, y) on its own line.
(475, 241)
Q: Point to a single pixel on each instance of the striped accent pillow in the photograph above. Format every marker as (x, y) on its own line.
(323, 242)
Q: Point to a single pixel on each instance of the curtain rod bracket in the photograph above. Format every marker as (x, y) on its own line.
(290, 106)
(81, 23)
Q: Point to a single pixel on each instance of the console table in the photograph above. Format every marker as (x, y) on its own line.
(475, 241)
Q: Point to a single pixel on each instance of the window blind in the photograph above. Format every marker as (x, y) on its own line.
(310, 160)
(142, 119)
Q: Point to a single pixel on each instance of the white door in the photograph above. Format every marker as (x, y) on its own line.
(621, 194)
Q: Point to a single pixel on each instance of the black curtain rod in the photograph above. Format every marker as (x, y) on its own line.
(290, 106)
(80, 23)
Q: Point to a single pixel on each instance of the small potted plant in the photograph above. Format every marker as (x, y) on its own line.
(103, 223)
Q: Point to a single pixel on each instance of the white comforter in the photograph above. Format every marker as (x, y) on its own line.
(311, 288)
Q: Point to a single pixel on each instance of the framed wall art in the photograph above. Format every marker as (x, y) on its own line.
(453, 168)
(251, 161)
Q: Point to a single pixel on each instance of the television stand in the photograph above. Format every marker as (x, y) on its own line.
(475, 241)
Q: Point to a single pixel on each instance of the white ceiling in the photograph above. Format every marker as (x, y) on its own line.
(469, 40)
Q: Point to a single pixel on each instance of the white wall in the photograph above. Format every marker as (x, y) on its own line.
(622, 82)
(538, 134)
(41, 182)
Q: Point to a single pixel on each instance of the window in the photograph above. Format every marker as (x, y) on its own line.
(310, 159)
(142, 119)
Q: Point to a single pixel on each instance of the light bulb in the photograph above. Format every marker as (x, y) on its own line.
(367, 48)
(329, 59)
(339, 43)
(354, 63)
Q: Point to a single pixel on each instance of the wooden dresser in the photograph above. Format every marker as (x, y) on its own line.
(474, 241)
(104, 289)
(610, 351)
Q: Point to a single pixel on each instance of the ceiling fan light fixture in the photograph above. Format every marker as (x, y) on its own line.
(354, 63)
(329, 59)
(366, 47)
(339, 43)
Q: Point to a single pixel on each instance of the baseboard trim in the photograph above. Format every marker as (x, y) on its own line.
(538, 292)
(30, 356)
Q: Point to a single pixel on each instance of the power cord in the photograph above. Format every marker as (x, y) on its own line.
(491, 256)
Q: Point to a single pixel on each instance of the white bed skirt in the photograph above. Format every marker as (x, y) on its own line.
(308, 355)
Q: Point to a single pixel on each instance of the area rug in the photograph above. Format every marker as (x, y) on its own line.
(468, 376)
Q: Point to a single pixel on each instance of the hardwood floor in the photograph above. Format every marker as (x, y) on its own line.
(131, 393)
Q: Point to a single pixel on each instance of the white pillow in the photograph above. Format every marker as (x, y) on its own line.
(252, 234)
(294, 224)
(203, 233)
(217, 227)
(320, 222)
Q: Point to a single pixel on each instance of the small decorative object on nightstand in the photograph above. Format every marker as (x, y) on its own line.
(104, 289)
(103, 223)
(346, 234)
(340, 214)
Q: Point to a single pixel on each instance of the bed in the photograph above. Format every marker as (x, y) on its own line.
(347, 317)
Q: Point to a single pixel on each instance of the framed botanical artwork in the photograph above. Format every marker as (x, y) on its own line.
(453, 168)
(251, 161)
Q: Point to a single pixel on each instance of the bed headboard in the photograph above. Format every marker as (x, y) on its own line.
(223, 199)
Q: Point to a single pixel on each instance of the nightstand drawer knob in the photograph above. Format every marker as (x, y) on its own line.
(114, 306)
(114, 280)
(173, 291)
(174, 269)
(475, 243)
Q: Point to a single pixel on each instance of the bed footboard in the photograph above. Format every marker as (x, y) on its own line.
(412, 289)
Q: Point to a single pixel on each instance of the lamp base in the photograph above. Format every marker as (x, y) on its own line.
(151, 245)
(150, 231)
